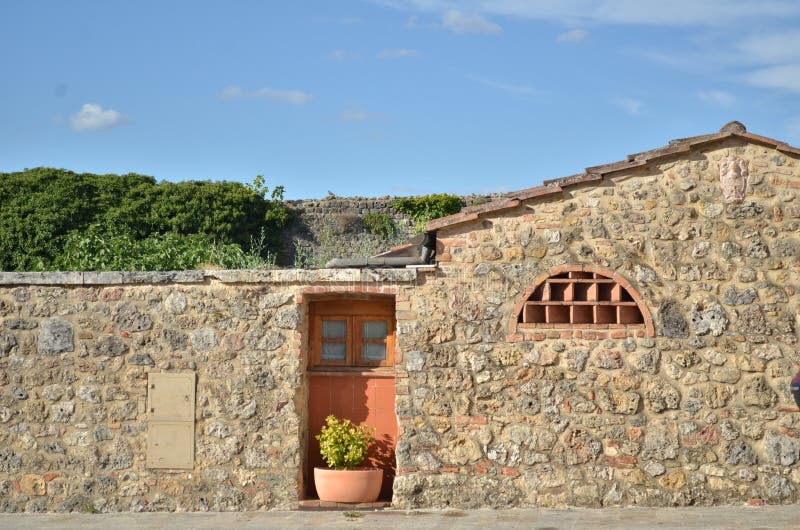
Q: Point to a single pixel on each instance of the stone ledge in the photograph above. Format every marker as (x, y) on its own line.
(315, 276)
(41, 278)
(99, 278)
(105, 278)
(285, 276)
(318, 505)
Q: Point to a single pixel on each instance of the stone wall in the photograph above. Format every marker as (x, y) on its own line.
(331, 227)
(699, 413)
(75, 351)
(333, 205)
(694, 409)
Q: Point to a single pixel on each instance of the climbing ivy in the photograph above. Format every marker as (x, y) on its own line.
(379, 224)
(423, 208)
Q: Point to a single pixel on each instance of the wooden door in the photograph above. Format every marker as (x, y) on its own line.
(364, 399)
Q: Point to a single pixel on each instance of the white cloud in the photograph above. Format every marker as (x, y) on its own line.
(773, 48)
(460, 22)
(93, 117)
(412, 22)
(688, 61)
(652, 12)
(756, 42)
(359, 115)
(337, 55)
(576, 35)
(394, 54)
(629, 105)
(782, 77)
(717, 97)
(505, 87)
(231, 92)
(687, 12)
(294, 97)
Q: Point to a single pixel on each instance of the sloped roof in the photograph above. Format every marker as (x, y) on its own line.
(596, 173)
(408, 249)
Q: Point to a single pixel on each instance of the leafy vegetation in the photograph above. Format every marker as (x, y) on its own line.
(379, 224)
(344, 445)
(54, 219)
(336, 239)
(101, 248)
(426, 207)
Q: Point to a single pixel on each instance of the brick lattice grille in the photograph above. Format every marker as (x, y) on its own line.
(580, 298)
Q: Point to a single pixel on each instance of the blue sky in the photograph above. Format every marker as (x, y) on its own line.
(385, 97)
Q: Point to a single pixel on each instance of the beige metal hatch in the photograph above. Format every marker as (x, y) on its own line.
(170, 425)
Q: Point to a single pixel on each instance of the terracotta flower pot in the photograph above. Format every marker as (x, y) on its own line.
(353, 485)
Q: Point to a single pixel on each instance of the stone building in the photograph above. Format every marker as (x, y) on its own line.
(625, 336)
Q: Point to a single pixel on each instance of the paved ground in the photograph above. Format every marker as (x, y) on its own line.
(750, 517)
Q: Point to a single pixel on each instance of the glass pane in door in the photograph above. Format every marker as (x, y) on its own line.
(334, 340)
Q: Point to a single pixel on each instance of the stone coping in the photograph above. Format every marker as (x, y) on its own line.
(283, 276)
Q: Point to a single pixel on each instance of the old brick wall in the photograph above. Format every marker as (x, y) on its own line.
(699, 413)
(75, 351)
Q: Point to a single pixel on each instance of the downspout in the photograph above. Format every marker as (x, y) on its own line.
(427, 253)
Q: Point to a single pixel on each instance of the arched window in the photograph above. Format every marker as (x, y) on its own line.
(582, 296)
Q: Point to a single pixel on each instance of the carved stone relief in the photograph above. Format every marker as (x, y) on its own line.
(733, 173)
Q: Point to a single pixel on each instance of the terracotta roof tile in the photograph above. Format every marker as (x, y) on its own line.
(538, 191)
(780, 146)
(408, 249)
(472, 213)
(572, 179)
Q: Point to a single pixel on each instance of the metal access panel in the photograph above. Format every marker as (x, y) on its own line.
(170, 426)
(170, 444)
(170, 397)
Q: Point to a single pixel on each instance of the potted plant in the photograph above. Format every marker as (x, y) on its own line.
(344, 446)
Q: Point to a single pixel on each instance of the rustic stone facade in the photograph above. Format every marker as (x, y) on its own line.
(691, 408)
(74, 359)
(697, 413)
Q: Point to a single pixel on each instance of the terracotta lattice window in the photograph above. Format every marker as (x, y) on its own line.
(577, 297)
(352, 333)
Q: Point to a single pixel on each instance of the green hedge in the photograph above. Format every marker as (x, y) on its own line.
(46, 212)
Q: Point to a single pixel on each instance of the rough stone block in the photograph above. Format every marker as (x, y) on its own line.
(32, 485)
(56, 337)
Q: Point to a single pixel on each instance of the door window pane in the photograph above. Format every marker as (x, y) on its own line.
(374, 329)
(334, 329)
(334, 351)
(352, 333)
(373, 351)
